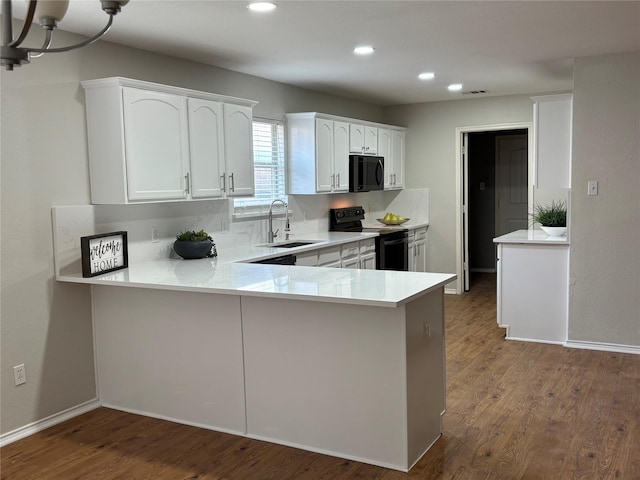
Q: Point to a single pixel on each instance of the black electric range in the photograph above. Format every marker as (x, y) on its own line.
(392, 244)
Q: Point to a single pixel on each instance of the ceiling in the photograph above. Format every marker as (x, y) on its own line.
(503, 47)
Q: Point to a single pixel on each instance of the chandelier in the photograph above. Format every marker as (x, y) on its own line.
(48, 13)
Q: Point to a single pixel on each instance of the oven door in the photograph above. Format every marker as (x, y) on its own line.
(392, 251)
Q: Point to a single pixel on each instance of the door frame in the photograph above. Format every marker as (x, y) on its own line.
(462, 194)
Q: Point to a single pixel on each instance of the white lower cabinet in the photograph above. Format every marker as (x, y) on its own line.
(368, 254)
(360, 254)
(152, 143)
(307, 259)
(330, 257)
(417, 250)
(532, 291)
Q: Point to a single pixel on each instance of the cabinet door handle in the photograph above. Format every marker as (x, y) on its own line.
(333, 180)
(186, 183)
(223, 182)
(232, 184)
(338, 180)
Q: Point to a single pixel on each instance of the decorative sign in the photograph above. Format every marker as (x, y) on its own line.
(104, 253)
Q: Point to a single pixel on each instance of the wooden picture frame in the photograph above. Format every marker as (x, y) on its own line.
(104, 253)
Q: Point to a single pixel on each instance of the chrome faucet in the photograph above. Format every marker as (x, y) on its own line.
(272, 234)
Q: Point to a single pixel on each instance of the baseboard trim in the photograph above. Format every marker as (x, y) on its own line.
(50, 421)
(450, 291)
(606, 347)
(534, 340)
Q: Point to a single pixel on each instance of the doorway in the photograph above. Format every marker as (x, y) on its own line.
(495, 191)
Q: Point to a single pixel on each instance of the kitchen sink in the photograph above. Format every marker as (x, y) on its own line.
(300, 243)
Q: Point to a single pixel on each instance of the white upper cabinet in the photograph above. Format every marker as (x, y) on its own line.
(319, 146)
(324, 155)
(318, 154)
(238, 150)
(154, 143)
(391, 147)
(207, 148)
(363, 139)
(552, 124)
(341, 156)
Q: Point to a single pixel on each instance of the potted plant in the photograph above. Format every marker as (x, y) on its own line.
(552, 218)
(191, 244)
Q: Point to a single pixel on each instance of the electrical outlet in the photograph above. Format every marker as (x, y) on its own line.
(155, 236)
(427, 329)
(19, 374)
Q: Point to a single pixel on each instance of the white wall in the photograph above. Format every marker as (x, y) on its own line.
(431, 158)
(45, 324)
(604, 301)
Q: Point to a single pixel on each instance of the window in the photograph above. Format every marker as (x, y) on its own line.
(269, 168)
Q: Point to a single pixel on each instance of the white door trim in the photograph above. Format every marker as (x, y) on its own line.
(461, 167)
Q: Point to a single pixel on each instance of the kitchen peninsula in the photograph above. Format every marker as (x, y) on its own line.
(344, 362)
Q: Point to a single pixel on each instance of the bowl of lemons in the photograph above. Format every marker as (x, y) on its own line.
(393, 219)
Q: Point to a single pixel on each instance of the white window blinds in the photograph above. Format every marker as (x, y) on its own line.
(269, 167)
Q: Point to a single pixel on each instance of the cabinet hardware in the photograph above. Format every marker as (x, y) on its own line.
(186, 182)
(333, 180)
(338, 180)
(232, 184)
(223, 182)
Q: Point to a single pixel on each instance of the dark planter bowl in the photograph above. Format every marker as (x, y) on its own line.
(191, 250)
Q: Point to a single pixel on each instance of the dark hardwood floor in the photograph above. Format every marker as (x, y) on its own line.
(515, 410)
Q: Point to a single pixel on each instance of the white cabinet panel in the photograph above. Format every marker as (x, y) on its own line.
(398, 159)
(341, 156)
(363, 139)
(391, 147)
(324, 155)
(153, 358)
(552, 125)
(533, 291)
(206, 147)
(155, 145)
(238, 146)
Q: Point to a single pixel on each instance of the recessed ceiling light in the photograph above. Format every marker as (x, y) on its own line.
(455, 87)
(427, 76)
(363, 50)
(261, 6)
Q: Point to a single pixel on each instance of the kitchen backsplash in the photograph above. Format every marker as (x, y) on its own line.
(309, 214)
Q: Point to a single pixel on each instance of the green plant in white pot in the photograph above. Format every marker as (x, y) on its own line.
(191, 245)
(552, 218)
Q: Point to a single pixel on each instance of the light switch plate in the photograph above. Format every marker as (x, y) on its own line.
(592, 187)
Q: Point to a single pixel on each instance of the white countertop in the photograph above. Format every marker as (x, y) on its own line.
(533, 237)
(383, 288)
(227, 274)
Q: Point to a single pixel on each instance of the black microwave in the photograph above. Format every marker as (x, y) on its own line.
(366, 173)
